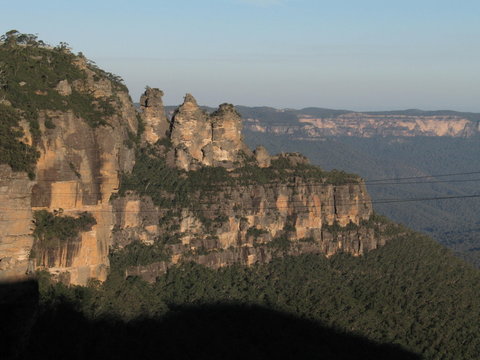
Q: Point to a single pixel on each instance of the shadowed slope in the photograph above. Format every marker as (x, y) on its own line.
(225, 331)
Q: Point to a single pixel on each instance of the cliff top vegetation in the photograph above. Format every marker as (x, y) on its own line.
(152, 176)
(30, 71)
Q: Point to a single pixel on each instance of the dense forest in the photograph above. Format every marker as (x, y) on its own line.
(412, 293)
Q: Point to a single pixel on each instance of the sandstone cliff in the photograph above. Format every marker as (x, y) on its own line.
(245, 215)
(306, 126)
(105, 179)
(16, 238)
(250, 224)
(78, 171)
(78, 126)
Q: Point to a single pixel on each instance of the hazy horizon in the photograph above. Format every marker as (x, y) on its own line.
(323, 107)
(365, 56)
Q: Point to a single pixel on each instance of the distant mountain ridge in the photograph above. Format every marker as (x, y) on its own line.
(315, 122)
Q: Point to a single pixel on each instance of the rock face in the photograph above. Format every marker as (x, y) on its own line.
(153, 115)
(78, 170)
(249, 224)
(200, 139)
(16, 238)
(262, 157)
(362, 125)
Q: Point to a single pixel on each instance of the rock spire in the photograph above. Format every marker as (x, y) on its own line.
(202, 139)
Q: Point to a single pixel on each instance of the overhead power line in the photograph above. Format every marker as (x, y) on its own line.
(310, 185)
(293, 185)
(346, 183)
(425, 176)
(219, 210)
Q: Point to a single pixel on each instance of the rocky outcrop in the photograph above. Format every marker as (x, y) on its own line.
(262, 157)
(153, 115)
(190, 132)
(200, 139)
(64, 88)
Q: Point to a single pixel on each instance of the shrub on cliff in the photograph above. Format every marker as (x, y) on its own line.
(20, 156)
(53, 230)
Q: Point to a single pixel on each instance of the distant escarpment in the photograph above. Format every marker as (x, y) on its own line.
(313, 123)
(86, 177)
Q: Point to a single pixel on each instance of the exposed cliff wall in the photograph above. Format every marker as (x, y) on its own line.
(78, 171)
(79, 126)
(369, 125)
(16, 238)
(249, 215)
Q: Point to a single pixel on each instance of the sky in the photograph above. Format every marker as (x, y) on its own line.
(343, 54)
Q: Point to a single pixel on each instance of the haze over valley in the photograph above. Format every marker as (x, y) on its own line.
(132, 229)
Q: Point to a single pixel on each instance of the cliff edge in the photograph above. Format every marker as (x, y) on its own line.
(85, 176)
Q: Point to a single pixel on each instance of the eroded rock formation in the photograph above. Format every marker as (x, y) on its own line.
(201, 139)
(153, 115)
(203, 195)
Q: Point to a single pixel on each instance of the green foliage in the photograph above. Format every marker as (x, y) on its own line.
(382, 226)
(137, 253)
(93, 111)
(335, 228)
(165, 142)
(116, 80)
(20, 156)
(307, 239)
(173, 238)
(29, 73)
(411, 292)
(280, 243)
(151, 176)
(168, 185)
(290, 223)
(452, 222)
(54, 230)
(256, 232)
(282, 171)
(49, 124)
(131, 140)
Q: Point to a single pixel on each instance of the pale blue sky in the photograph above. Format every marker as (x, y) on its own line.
(362, 54)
